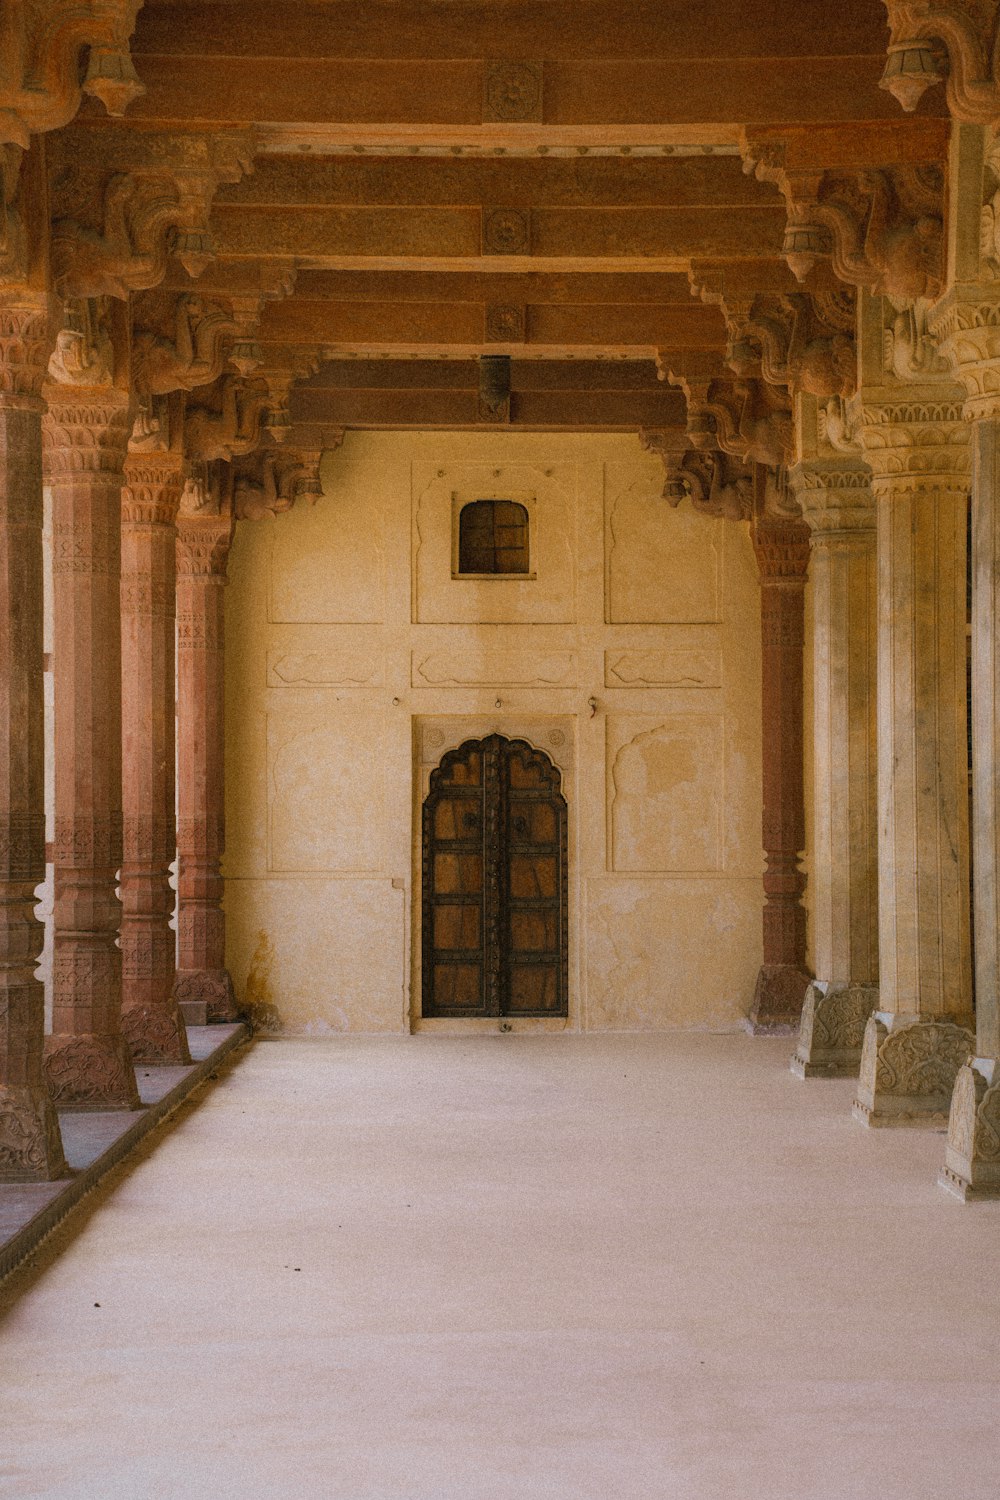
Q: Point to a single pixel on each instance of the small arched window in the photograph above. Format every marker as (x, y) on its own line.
(493, 537)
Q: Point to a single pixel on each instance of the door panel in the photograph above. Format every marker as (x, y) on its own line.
(494, 874)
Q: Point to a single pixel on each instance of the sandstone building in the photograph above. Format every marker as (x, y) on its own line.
(594, 411)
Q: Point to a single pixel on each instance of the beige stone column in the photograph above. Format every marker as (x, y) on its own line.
(916, 445)
(839, 508)
(87, 1061)
(153, 482)
(967, 324)
(204, 988)
(30, 1145)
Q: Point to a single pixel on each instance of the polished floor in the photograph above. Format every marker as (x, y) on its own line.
(507, 1268)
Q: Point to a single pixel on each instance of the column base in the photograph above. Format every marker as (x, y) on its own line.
(89, 1072)
(30, 1145)
(972, 1155)
(155, 1034)
(777, 1000)
(908, 1068)
(211, 987)
(832, 1032)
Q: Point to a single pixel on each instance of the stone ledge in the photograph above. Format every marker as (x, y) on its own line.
(96, 1142)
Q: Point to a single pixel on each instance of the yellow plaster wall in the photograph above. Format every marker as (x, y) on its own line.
(355, 660)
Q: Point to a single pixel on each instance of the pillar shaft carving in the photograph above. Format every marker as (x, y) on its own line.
(917, 447)
(30, 1145)
(202, 552)
(150, 1020)
(87, 1062)
(838, 506)
(782, 548)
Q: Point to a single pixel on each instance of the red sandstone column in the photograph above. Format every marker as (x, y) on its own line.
(30, 1146)
(87, 1061)
(150, 1018)
(782, 549)
(202, 976)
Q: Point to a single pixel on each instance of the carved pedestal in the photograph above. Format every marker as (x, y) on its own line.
(838, 506)
(87, 1061)
(917, 446)
(204, 988)
(782, 549)
(30, 1146)
(150, 1018)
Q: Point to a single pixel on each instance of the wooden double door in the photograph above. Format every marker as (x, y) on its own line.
(494, 883)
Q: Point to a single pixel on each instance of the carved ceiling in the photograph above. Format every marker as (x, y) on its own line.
(655, 209)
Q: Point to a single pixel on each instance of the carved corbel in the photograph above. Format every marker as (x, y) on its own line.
(882, 229)
(181, 346)
(800, 343)
(949, 41)
(113, 230)
(41, 79)
(747, 419)
(227, 419)
(715, 484)
(280, 383)
(84, 352)
(267, 483)
(126, 252)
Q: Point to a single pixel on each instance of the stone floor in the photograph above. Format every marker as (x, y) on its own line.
(578, 1268)
(94, 1142)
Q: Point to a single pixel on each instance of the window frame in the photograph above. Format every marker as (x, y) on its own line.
(515, 497)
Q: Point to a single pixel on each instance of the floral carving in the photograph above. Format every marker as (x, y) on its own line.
(832, 1031)
(910, 1069)
(512, 92)
(506, 231)
(90, 1072)
(30, 1145)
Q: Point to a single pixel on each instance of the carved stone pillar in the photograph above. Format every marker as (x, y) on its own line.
(782, 548)
(30, 1145)
(967, 324)
(916, 445)
(87, 1060)
(150, 1018)
(837, 502)
(203, 982)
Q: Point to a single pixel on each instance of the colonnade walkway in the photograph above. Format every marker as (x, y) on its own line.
(507, 1268)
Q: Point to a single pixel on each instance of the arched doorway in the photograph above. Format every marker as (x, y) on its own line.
(494, 883)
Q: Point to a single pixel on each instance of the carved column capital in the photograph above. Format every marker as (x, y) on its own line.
(914, 438)
(152, 491)
(86, 431)
(27, 324)
(782, 551)
(203, 547)
(835, 495)
(966, 324)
